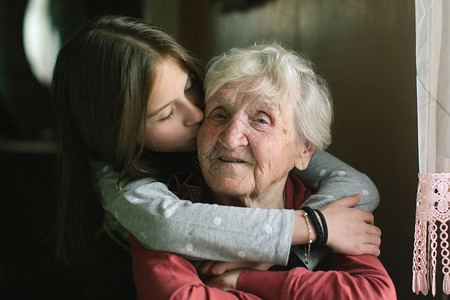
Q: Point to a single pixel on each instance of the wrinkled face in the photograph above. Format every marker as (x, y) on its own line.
(246, 144)
(173, 111)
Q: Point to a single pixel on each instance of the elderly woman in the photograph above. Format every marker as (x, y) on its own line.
(266, 113)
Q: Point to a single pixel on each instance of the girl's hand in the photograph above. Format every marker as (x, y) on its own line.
(215, 268)
(226, 281)
(351, 230)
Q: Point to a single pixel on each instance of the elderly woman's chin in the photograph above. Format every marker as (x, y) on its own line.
(226, 185)
(244, 187)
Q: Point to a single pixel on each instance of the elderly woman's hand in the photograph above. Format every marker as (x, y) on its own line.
(350, 230)
(224, 275)
(214, 268)
(226, 281)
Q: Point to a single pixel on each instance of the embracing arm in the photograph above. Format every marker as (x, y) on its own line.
(335, 179)
(351, 231)
(161, 221)
(356, 277)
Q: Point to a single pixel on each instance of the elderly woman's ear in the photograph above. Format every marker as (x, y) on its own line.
(303, 156)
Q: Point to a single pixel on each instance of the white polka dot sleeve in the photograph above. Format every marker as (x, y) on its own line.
(161, 221)
(334, 179)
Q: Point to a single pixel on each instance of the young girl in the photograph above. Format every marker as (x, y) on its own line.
(128, 103)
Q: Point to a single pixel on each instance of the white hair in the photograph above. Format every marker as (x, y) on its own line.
(277, 72)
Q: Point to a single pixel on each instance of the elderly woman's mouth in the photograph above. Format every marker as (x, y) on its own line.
(230, 159)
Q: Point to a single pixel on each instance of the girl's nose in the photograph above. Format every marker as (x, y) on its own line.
(194, 115)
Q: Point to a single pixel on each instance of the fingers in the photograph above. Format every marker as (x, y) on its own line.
(349, 201)
(204, 267)
(374, 230)
(368, 249)
(372, 239)
(226, 281)
(370, 242)
(216, 268)
(363, 244)
(366, 216)
(362, 215)
(213, 268)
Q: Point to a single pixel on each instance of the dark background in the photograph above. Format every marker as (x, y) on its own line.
(364, 49)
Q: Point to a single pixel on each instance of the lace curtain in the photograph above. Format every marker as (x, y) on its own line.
(431, 237)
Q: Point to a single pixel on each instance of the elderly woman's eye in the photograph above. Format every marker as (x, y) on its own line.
(219, 116)
(216, 114)
(263, 119)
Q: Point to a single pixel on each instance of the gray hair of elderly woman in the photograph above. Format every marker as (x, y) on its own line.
(276, 72)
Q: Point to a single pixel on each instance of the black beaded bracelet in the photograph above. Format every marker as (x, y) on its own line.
(318, 244)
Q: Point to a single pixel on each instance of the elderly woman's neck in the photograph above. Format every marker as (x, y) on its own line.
(273, 199)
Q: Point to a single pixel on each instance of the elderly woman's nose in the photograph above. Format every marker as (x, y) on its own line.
(234, 134)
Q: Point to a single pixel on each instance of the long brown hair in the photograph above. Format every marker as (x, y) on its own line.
(102, 81)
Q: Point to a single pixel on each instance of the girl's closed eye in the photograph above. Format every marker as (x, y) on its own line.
(167, 117)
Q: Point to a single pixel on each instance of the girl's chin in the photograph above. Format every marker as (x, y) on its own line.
(174, 150)
(191, 147)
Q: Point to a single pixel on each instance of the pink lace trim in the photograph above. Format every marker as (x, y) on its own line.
(431, 229)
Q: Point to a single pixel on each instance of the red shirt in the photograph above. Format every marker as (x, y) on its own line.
(163, 275)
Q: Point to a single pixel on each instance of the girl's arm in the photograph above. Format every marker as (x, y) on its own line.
(161, 221)
(351, 231)
(334, 179)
